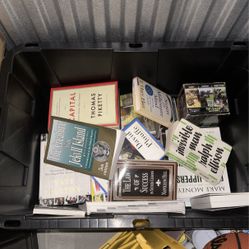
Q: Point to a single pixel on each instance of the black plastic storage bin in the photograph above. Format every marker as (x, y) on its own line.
(28, 73)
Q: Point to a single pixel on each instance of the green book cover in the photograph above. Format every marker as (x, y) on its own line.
(82, 147)
(203, 154)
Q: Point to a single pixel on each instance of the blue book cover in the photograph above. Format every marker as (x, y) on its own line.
(139, 139)
(81, 147)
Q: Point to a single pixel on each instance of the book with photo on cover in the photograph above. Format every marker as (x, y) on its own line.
(83, 147)
(153, 103)
(59, 186)
(90, 103)
(203, 154)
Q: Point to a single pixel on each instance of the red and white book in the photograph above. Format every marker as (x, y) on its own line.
(96, 103)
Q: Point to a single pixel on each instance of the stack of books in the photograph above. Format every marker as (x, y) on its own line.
(120, 150)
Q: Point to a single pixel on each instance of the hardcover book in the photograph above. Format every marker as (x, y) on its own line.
(153, 103)
(190, 185)
(144, 180)
(147, 146)
(59, 186)
(91, 103)
(203, 154)
(83, 147)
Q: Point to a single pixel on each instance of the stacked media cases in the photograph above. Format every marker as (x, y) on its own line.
(131, 163)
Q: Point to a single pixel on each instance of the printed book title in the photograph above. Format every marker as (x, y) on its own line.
(187, 136)
(96, 107)
(74, 144)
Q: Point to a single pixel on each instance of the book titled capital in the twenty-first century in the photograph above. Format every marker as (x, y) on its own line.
(84, 147)
(96, 103)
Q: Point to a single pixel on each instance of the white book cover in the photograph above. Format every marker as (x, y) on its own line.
(152, 103)
(136, 207)
(144, 142)
(215, 202)
(61, 211)
(90, 103)
(190, 185)
(59, 186)
(203, 154)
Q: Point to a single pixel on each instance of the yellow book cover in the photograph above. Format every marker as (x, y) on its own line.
(90, 103)
(152, 103)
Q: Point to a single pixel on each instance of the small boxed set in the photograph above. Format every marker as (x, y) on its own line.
(203, 103)
(144, 180)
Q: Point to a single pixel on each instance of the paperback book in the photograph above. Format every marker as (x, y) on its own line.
(147, 146)
(59, 186)
(144, 180)
(190, 185)
(203, 154)
(213, 202)
(153, 103)
(90, 103)
(60, 211)
(83, 147)
(127, 114)
(135, 207)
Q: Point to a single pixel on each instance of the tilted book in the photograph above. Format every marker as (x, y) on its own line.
(153, 103)
(203, 154)
(143, 141)
(60, 186)
(91, 103)
(83, 147)
(127, 114)
(190, 185)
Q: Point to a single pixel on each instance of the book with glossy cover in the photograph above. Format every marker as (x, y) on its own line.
(127, 114)
(90, 103)
(190, 185)
(152, 103)
(84, 147)
(144, 180)
(147, 146)
(203, 154)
